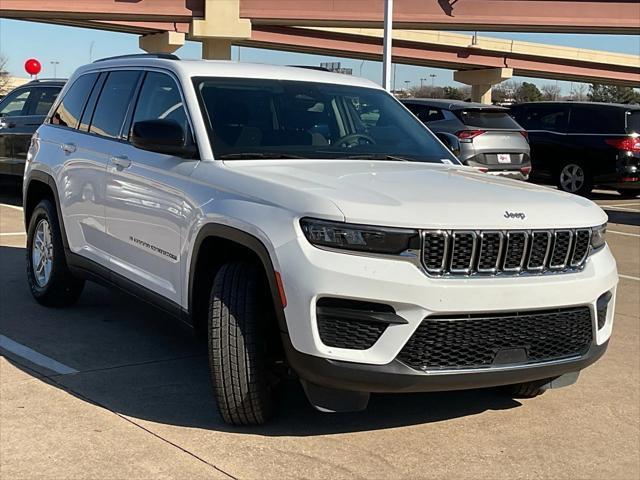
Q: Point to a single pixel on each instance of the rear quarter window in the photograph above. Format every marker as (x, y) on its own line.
(596, 120)
(633, 121)
(487, 119)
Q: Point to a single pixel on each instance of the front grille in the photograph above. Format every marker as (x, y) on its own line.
(465, 252)
(449, 342)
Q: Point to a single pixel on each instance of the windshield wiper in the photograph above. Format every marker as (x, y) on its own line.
(378, 156)
(256, 155)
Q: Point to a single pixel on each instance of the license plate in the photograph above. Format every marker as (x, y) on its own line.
(504, 158)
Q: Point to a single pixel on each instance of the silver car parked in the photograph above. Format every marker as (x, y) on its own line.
(482, 136)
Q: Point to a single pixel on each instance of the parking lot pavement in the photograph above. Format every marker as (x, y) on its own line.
(111, 388)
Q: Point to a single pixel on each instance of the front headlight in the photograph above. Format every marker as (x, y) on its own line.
(598, 237)
(361, 238)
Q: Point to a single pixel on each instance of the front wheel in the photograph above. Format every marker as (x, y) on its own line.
(50, 280)
(238, 353)
(574, 177)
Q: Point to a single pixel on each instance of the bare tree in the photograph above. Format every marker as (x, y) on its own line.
(4, 75)
(551, 91)
(579, 92)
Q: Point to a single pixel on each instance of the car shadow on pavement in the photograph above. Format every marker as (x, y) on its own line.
(136, 361)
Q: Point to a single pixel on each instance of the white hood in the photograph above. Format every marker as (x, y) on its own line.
(421, 195)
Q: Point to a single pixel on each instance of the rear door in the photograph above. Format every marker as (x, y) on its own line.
(38, 106)
(13, 110)
(147, 209)
(546, 125)
(497, 139)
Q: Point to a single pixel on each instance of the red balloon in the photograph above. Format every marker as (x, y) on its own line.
(32, 66)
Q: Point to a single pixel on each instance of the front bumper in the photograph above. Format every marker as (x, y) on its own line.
(396, 377)
(310, 273)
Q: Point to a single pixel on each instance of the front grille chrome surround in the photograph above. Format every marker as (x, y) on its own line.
(459, 253)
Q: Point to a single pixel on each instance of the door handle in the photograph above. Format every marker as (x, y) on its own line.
(6, 124)
(68, 147)
(121, 162)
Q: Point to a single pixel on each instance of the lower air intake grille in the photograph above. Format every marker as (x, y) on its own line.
(485, 340)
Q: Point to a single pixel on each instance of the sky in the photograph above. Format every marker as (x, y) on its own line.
(72, 47)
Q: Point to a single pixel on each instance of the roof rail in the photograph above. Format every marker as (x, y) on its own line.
(43, 80)
(166, 56)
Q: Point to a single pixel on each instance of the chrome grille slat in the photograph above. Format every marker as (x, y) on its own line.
(458, 253)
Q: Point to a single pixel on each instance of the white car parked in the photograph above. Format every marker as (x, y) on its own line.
(306, 222)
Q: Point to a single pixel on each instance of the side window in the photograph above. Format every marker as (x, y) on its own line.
(585, 119)
(14, 104)
(160, 100)
(42, 99)
(68, 112)
(549, 118)
(113, 103)
(426, 113)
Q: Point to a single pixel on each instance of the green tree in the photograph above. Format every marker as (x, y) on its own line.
(528, 92)
(453, 93)
(613, 94)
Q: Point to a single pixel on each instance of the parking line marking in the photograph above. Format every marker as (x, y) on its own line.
(11, 206)
(624, 233)
(11, 234)
(607, 207)
(629, 277)
(35, 357)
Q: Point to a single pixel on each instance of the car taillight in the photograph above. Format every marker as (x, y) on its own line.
(469, 135)
(525, 170)
(629, 144)
(525, 134)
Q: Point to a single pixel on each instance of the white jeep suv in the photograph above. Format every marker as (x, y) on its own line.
(308, 223)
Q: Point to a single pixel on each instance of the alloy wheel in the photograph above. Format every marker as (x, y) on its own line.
(42, 253)
(572, 177)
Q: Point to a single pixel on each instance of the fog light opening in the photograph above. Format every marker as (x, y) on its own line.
(601, 307)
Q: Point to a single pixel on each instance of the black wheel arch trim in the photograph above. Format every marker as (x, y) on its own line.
(248, 241)
(45, 178)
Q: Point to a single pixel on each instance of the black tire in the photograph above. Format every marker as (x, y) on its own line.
(629, 193)
(527, 389)
(582, 188)
(237, 345)
(62, 288)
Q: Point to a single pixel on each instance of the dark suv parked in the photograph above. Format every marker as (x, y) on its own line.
(579, 146)
(22, 111)
(481, 136)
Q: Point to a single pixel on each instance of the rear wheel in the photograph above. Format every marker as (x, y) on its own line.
(50, 280)
(238, 345)
(573, 177)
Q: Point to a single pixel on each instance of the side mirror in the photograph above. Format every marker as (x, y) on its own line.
(450, 141)
(161, 136)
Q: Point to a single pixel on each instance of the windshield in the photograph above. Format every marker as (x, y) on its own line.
(487, 119)
(258, 118)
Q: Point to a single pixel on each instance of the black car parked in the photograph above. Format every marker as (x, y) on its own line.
(22, 111)
(580, 145)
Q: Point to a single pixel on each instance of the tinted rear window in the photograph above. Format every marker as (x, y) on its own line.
(70, 109)
(487, 119)
(633, 122)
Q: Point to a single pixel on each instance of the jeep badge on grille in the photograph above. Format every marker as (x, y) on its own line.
(520, 215)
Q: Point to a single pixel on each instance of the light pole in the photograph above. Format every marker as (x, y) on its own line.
(91, 45)
(55, 64)
(386, 51)
(422, 80)
(433, 84)
(406, 85)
